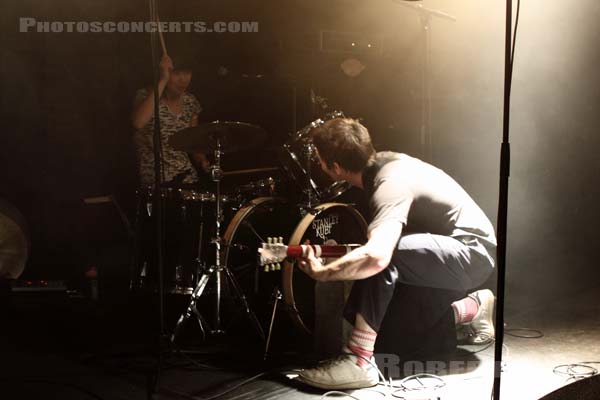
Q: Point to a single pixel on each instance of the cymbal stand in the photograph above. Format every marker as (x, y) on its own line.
(200, 265)
(312, 194)
(277, 296)
(217, 270)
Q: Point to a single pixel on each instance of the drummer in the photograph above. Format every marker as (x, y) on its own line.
(179, 109)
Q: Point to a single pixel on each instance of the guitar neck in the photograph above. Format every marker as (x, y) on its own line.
(326, 251)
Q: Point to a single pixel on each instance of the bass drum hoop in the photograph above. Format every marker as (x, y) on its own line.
(287, 276)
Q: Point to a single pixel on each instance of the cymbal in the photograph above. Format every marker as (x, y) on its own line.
(233, 136)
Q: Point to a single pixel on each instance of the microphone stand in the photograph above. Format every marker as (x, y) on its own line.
(425, 16)
(502, 219)
(154, 384)
(503, 204)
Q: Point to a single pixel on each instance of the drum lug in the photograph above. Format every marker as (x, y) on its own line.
(218, 241)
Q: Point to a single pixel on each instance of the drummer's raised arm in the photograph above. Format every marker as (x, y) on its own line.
(144, 109)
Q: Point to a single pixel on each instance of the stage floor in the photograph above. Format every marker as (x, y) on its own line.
(60, 348)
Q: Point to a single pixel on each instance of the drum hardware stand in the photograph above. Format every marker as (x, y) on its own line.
(425, 17)
(277, 296)
(217, 270)
(135, 278)
(312, 194)
(200, 265)
(179, 277)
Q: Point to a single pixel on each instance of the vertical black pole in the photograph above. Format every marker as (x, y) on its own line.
(503, 204)
(158, 175)
(158, 201)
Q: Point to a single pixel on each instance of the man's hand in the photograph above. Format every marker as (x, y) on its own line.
(312, 266)
(165, 67)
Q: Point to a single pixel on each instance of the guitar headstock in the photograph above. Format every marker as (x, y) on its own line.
(272, 253)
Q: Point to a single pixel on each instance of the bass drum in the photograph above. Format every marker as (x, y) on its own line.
(259, 219)
(329, 223)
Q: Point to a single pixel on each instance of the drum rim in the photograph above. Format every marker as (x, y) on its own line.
(287, 275)
(316, 123)
(205, 196)
(191, 195)
(291, 160)
(335, 190)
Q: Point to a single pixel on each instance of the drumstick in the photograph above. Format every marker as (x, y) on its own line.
(250, 171)
(161, 37)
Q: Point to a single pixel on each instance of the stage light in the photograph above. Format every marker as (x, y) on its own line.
(351, 42)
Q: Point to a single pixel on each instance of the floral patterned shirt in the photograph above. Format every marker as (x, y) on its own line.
(175, 163)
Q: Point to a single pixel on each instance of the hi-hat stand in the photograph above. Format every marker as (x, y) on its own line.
(220, 273)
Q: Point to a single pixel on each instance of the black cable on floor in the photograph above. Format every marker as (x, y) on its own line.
(484, 348)
(89, 393)
(196, 363)
(215, 396)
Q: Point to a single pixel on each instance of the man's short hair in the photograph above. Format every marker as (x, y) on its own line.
(345, 141)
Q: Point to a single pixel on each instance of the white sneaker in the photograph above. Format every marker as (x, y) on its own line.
(481, 328)
(340, 373)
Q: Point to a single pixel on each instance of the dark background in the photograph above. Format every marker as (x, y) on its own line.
(66, 98)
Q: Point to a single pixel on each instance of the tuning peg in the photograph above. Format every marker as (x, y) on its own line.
(266, 268)
(277, 267)
(280, 240)
(270, 240)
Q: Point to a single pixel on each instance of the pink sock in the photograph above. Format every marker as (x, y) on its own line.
(465, 310)
(362, 343)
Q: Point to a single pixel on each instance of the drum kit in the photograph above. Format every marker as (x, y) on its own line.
(254, 212)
